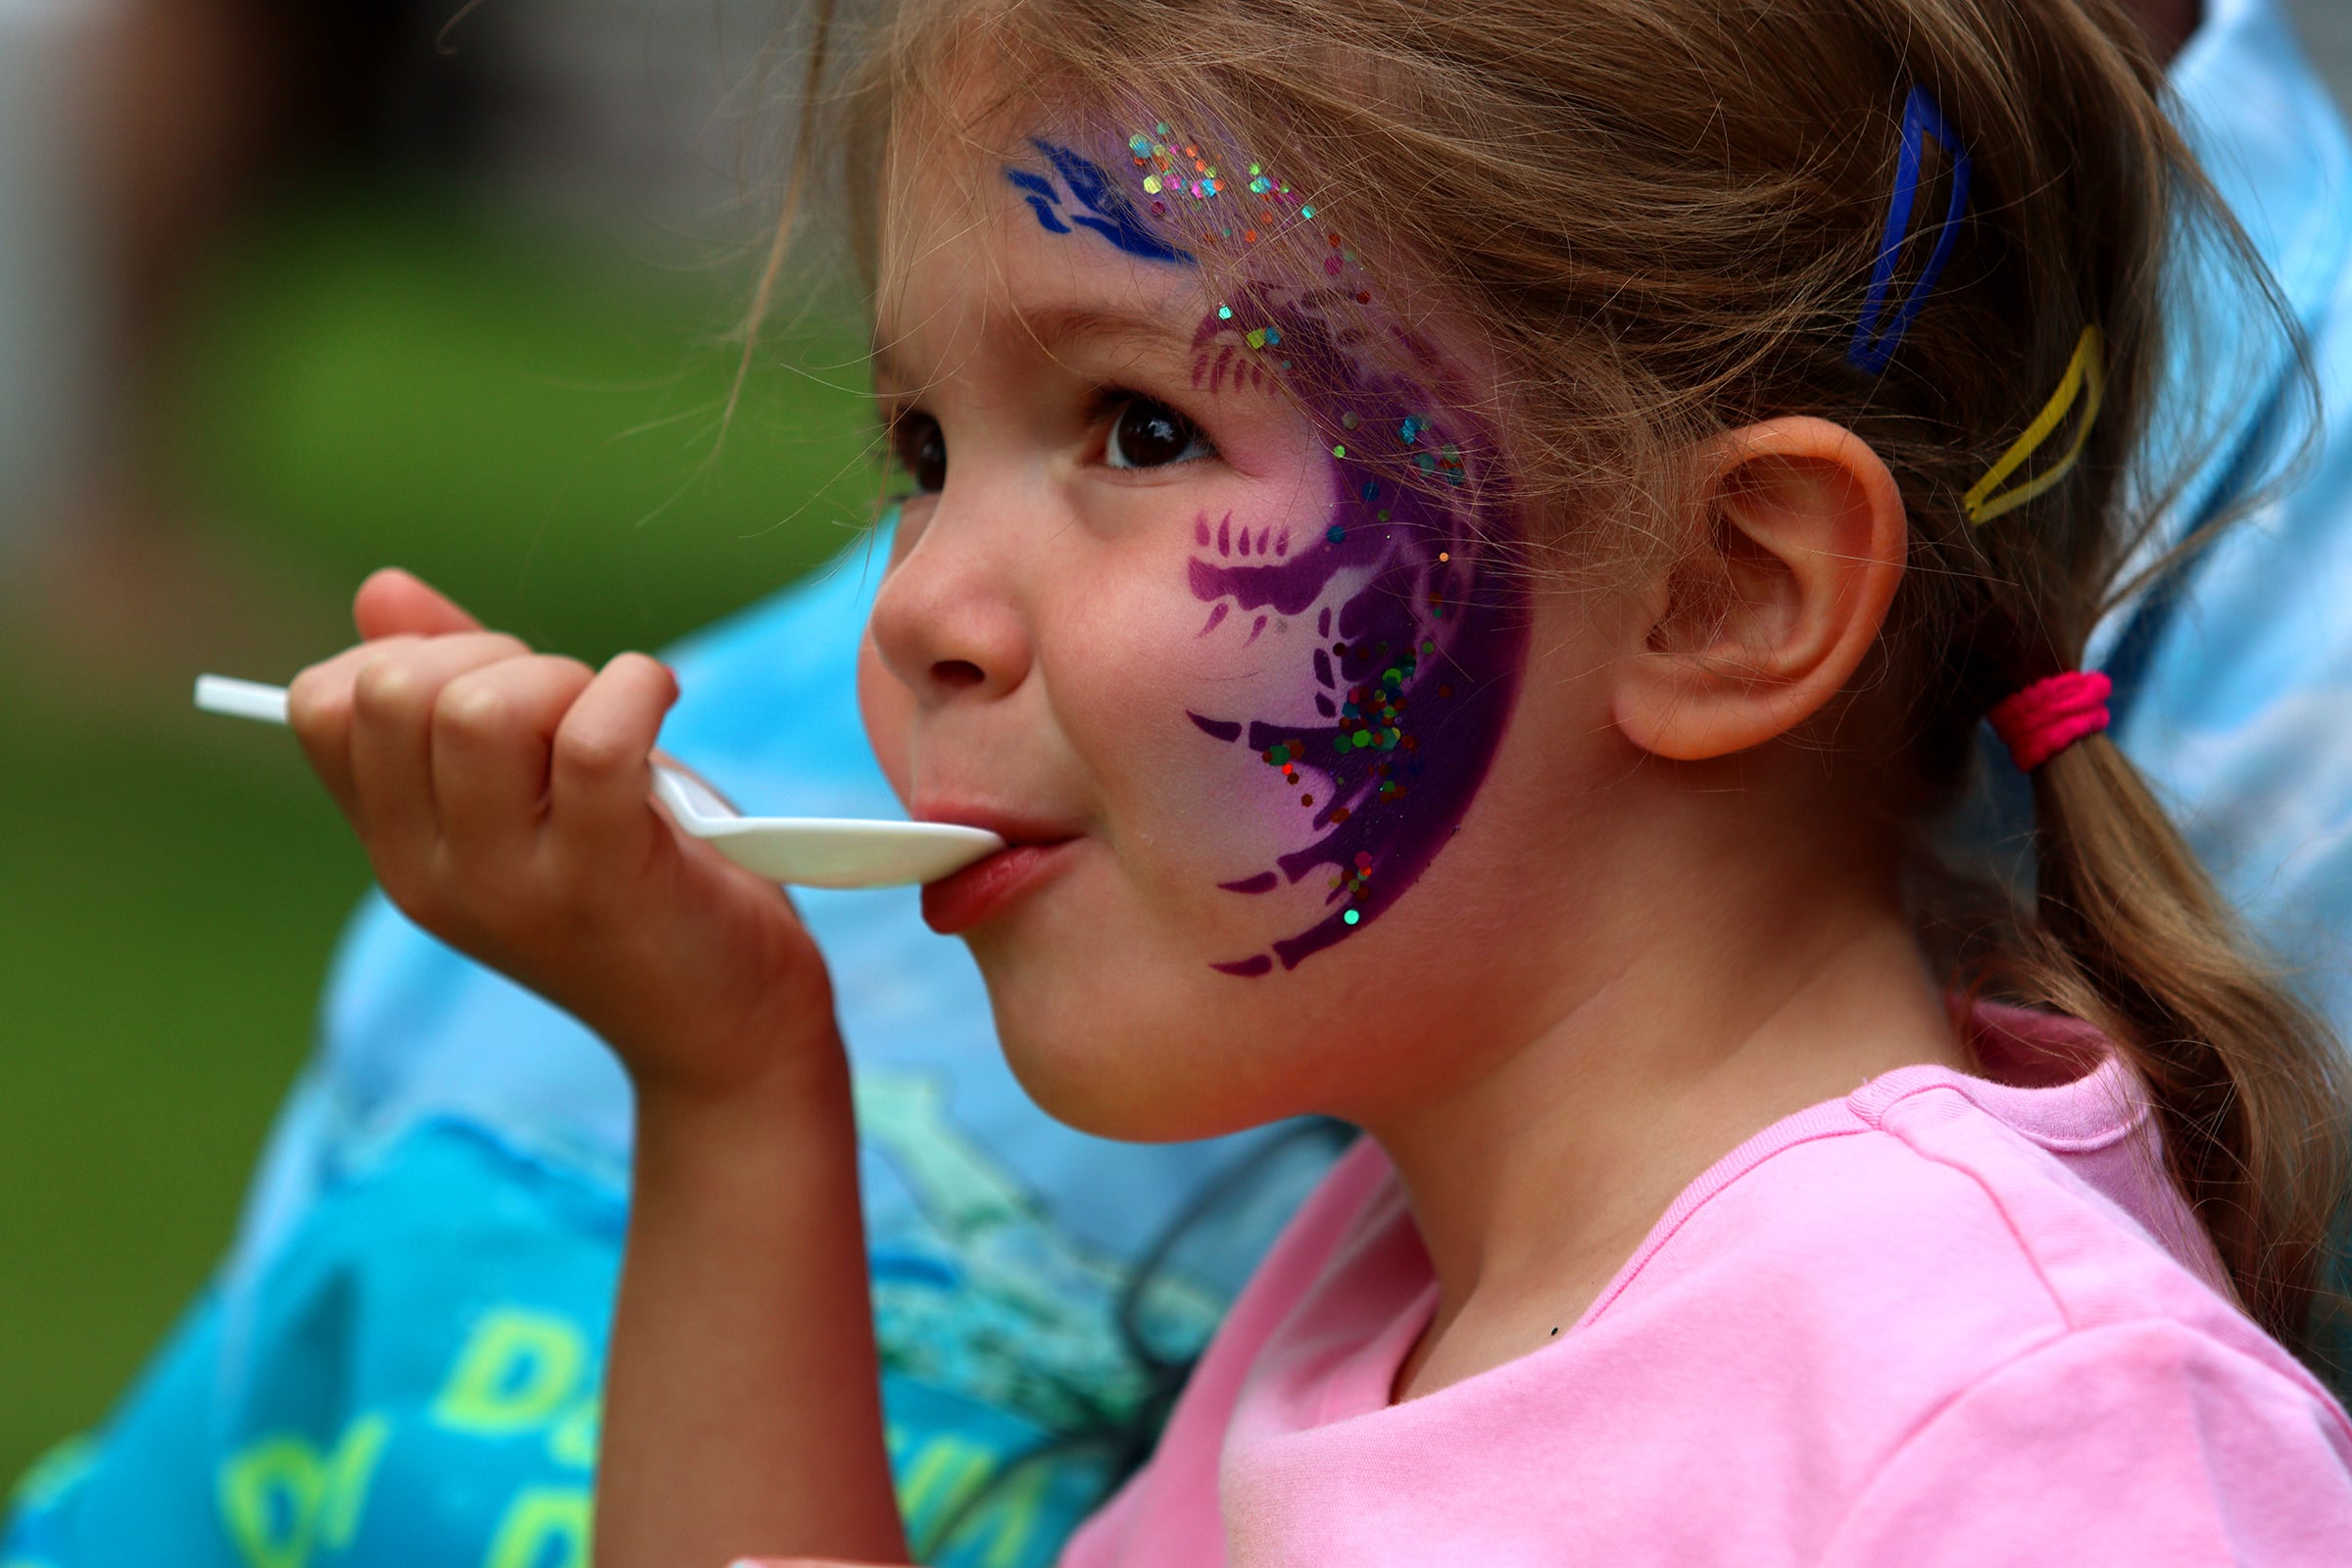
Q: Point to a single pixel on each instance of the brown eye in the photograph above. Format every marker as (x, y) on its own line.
(1151, 435)
(921, 449)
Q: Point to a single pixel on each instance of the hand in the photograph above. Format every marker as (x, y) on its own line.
(503, 800)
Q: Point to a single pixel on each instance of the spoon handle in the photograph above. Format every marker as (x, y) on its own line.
(808, 851)
(695, 805)
(241, 699)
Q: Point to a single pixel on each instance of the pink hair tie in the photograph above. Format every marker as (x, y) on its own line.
(2049, 715)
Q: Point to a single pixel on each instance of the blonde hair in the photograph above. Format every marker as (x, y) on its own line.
(1663, 215)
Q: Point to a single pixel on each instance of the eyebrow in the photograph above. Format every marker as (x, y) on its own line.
(1055, 329)
(1065, 326)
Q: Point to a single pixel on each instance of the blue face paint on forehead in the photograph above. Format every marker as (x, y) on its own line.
(1093, 202)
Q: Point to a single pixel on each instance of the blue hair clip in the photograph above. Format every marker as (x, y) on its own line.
(1874, 345)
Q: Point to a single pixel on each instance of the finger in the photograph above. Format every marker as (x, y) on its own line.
(392, 701)
(601, 769)
(393, 603)
(493, 730)
(319, 710)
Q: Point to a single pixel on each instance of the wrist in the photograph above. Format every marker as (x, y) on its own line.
(765, 1055)
(792, 1100)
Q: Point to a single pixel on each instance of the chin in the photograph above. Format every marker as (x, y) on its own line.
(1091, 1048)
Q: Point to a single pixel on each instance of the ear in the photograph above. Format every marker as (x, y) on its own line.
(1800, 539)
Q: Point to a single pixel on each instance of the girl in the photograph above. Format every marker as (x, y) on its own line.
(1463, 546)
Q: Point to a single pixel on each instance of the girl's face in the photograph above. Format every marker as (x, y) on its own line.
(1204, 606)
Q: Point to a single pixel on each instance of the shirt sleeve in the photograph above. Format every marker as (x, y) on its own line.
(2148, 1443)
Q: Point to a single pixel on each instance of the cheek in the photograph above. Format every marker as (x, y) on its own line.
(1255, 603)
(1139, 666)
(1308, 701)
(1143, 672)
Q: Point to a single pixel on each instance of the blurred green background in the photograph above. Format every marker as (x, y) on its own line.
(525, 420)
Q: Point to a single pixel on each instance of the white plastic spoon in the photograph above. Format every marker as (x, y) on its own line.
(813, 852)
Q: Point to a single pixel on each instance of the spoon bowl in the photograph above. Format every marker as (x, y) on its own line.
(821, 852)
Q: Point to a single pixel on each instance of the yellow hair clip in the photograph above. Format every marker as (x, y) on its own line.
(2089, 367)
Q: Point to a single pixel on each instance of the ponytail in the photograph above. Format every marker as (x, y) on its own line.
(2248, 1086)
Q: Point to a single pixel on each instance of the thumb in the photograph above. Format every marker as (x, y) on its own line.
(392, 604)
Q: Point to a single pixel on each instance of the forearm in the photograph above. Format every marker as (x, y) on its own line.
(743, 1407)
(503, 800)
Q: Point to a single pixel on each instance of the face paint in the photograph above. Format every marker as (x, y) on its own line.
(1092, 203)
(1420, 634)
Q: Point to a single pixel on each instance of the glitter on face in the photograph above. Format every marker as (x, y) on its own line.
(1164, 163)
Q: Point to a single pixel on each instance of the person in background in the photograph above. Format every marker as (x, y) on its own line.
(399, 1359)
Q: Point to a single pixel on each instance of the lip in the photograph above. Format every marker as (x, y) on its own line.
(1033, 852)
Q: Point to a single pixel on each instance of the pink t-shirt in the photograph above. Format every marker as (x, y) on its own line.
(1941, 1321)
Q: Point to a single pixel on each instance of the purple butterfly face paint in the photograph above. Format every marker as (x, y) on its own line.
(1403, 694)
(1382, 731)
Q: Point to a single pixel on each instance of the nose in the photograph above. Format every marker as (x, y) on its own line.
(947, 620)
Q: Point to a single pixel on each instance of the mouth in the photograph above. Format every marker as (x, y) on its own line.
(1033, 853)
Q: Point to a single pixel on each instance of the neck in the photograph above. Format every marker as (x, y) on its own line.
(1757, 984)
